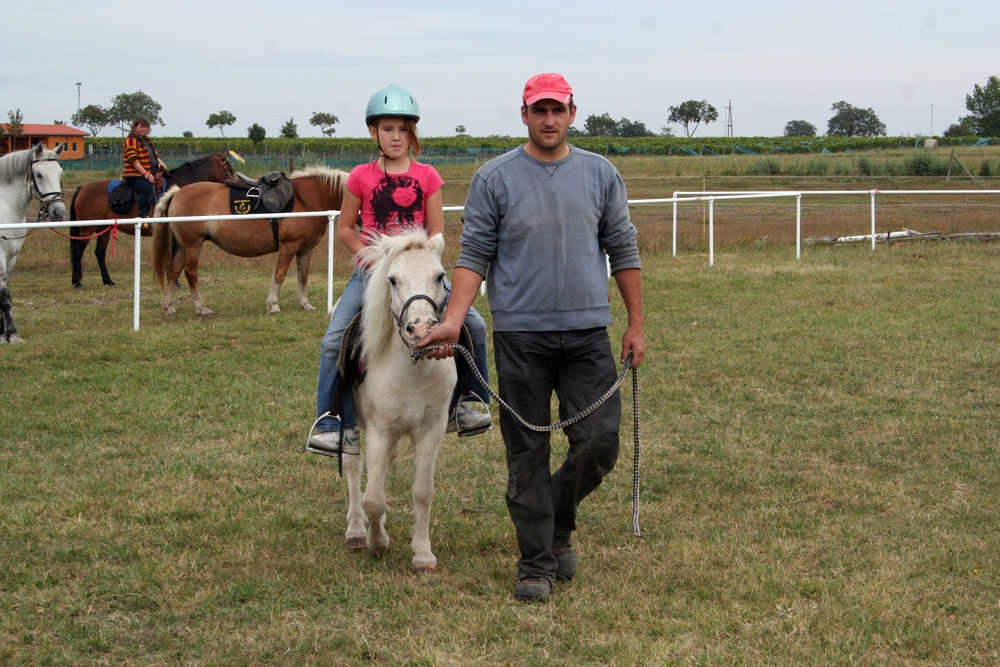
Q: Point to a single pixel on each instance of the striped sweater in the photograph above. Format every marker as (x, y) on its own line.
(134, 151)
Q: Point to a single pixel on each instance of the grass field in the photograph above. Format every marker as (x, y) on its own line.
(819, 475)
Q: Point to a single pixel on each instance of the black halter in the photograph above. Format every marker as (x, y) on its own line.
(45, 199)
(438, 310)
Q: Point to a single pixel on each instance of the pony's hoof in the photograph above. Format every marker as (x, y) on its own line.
(307, 307)
(425, 568)
(273, 310)
(109, 283)
(356, 542)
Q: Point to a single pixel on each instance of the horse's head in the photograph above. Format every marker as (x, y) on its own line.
(45, 181)
(406, 292)
(214, 168)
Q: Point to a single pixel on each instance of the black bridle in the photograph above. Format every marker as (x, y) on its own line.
(438, 310)
(45, 199)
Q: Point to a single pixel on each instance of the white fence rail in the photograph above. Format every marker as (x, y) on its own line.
(711, 196)
(679, 197)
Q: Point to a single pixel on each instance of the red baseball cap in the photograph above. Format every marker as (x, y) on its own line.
(547, 86)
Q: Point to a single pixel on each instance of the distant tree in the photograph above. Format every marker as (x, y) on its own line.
(599, 126)
(691, 114)
(984, 107)
(188, 134)
(850, 121)
(93, 117)
(460, 130)
(800, 128)
(58, 122)
(325, 122)
(959, 129)
(220, 120)
(15, 128)
(256, 133)
(290, 130)
(574, 131)
(126, 107)
(666, 131)
(629, 128)
(15, 123)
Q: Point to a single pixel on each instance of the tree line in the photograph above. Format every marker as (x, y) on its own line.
(983, 119)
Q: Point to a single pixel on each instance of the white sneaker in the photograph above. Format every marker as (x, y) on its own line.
(327, 443)
(468, 421)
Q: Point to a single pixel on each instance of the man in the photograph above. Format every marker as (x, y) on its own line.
(538, 222)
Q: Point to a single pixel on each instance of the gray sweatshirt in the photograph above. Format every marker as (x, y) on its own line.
(539, 231)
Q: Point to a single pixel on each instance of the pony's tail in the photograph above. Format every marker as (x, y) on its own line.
(74, 231)
(162, 251)
(72, 204)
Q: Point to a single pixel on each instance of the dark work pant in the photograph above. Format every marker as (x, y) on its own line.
(145, 191)
(579, 367)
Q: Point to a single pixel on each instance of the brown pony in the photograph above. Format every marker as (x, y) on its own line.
(90, 202)
(177, 245)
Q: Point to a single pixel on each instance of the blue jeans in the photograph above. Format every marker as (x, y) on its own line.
(579, 367)
(330, 379)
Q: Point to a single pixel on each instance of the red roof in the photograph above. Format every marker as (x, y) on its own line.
(48, 130)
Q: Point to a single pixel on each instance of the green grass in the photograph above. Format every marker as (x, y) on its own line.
(819, 480)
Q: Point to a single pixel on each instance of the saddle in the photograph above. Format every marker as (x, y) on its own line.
(352, 370)
(272, 193)
(120, 196)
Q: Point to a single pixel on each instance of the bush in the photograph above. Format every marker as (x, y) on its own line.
(765, 167)
(924, 165)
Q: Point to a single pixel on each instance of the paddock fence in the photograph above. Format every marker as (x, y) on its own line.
(679, 197)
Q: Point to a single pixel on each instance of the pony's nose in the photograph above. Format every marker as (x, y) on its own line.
(57, 212)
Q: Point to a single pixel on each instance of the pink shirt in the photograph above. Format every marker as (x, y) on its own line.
(391, 202)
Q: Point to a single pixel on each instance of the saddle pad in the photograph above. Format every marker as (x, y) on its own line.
(241, 202)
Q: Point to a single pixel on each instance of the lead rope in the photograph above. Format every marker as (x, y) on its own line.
(417, 354)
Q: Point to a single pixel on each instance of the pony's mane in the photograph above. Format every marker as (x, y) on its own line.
(332, 178)
(14, 166)
(377, 323)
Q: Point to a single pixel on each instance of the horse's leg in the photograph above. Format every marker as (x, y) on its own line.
(356, 536)
(174, 269)
(285, 255)
(425, 453)
(193, 255)
(8, 332)
(373, 502)
(100, 250)
(302, 261)
(76, 250)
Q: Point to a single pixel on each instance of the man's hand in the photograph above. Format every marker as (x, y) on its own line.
(444, 335)
(634, 342)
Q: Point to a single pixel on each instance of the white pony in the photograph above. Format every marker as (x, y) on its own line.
(26, 174)
(399, 399)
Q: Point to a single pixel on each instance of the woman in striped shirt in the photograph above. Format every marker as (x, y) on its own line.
(143, 167)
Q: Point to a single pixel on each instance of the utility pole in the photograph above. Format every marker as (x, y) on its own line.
(78, 84)
(729, 119)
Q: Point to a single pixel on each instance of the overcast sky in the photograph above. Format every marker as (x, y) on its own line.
(911, 61)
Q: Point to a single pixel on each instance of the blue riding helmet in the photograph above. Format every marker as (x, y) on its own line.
(392, 101)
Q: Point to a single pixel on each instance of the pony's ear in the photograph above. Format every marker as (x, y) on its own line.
(37, 150)
(436, 243)
(59, 148)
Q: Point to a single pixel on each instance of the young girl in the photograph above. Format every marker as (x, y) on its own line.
(387, 196)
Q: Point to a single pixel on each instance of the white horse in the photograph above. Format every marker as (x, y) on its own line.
(26, 174)
(398, 399)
